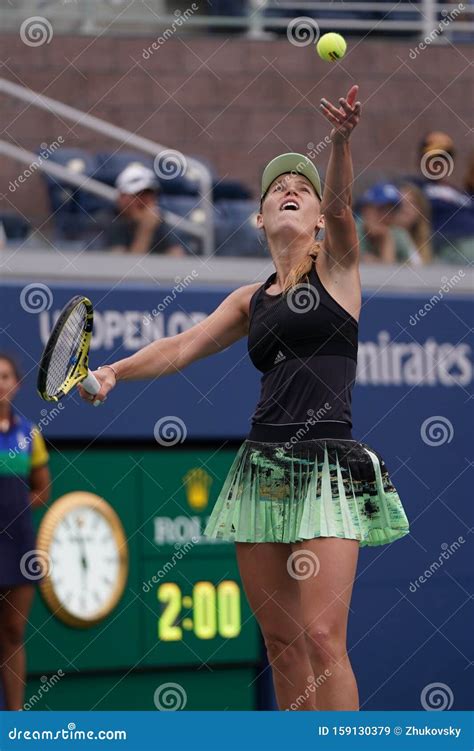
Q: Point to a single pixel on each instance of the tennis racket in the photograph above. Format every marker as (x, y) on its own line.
(64, 362)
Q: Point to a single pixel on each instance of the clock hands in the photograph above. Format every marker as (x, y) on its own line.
(83, 558)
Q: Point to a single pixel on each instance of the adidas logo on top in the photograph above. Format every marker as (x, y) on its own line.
(280, 356)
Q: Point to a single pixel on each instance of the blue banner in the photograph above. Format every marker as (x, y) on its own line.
(414, 356)
(234, 731)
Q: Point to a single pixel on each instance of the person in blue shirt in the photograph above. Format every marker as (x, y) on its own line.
(452, 209)
(380, 240)
(24, 484)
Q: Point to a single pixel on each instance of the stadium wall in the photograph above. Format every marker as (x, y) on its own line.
(234, 102)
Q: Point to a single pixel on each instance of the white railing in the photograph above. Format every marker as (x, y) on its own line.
(424, 15)
(120, 16)
(89, 184)
(199, 172)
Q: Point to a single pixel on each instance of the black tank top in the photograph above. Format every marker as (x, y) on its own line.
(305, 344)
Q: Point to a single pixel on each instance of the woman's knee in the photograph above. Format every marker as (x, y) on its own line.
(325, 643)
(284, 650)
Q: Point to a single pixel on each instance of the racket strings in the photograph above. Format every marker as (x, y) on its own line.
(66, 350)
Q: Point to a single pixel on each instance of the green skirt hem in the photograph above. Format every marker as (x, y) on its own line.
(321, 488)
(374, 538)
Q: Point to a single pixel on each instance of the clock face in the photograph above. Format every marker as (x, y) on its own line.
(88, 563)
(85, 562)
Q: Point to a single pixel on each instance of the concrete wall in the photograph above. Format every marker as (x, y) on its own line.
(235, 102)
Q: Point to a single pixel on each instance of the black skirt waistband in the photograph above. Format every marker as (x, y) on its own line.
(296, 432)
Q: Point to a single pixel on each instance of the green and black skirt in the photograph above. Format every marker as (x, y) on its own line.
(276, 492)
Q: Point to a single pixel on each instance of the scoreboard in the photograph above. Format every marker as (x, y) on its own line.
(180, 617)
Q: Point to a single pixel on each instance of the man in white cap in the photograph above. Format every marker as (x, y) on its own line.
(138, 227)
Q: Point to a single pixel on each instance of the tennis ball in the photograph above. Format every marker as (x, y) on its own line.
(331, 47)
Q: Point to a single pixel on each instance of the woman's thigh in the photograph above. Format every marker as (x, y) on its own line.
(272, 593)
(325, 569)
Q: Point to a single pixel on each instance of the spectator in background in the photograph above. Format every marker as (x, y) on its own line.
(381, 241)
(138, 227)
(24, 484)
(414, 215)
(452, 210)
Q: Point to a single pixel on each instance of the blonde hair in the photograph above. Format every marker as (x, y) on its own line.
(420, 232)
(302, 269)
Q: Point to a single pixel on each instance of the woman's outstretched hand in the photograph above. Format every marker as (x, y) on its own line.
(345, 118)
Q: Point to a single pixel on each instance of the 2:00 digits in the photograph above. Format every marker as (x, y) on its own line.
(216, 610)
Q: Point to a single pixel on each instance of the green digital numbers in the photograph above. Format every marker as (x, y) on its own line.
(170, 595)
(215, 610)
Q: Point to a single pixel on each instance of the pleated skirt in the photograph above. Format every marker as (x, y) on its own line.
(317, 488)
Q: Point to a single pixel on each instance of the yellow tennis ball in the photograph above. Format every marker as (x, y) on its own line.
(331, 47)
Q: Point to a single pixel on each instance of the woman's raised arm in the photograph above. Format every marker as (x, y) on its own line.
(341, 244)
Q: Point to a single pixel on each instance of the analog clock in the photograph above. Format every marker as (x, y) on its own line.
(86, 548)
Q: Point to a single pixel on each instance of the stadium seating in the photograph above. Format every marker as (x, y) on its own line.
(234, 224)
(110, 164)
(15, 227)
(73, 209)
(187, 207)
(81, 217)
(236, 231)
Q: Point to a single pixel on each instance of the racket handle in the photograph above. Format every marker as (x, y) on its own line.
(90, 384)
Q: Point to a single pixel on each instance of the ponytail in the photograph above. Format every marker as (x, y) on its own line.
(299, 272)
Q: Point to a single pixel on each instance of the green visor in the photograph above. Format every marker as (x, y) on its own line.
(294, 164)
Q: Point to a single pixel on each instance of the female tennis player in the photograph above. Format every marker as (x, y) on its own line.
(24, 484)
(302, 495)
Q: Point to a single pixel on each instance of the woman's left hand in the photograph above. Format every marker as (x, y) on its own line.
(345, 118)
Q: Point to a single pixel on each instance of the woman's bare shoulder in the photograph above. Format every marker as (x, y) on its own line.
(245, 293)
